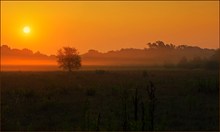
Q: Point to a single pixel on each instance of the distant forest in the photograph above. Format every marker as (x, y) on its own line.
(155, 54)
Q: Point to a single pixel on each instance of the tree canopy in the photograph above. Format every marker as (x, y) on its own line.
(68, 59)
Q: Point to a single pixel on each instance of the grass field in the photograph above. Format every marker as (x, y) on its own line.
(104, 100)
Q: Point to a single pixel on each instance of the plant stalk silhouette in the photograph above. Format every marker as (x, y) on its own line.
(152, 103)
(125, 113)
(135, 102)
(142, 116)
(98, 122)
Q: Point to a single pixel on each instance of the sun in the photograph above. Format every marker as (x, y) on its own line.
(26, 30)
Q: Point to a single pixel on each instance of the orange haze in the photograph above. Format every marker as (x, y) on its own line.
(108, 25)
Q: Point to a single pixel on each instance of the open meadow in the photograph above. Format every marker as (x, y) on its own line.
(110, 100)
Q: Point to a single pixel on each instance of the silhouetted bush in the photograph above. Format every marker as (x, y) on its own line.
(211, 63)
(183, 63)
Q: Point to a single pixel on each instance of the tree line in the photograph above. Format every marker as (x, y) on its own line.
(157, 53)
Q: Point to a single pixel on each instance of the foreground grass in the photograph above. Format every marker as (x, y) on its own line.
(94, 100)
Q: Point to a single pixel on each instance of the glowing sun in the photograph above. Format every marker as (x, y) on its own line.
(26, 29)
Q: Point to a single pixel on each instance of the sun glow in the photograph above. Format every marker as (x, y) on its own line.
(26, 29)
(108, 25)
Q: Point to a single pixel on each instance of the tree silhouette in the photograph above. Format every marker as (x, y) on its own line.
(161, 45)
(183, 62)
(68, 58)
(214, 61)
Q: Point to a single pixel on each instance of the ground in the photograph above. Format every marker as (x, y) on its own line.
(185, 100)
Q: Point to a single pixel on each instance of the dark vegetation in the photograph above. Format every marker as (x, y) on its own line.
(155, 54)
(68, 59)
(177, 99)
(211, 63)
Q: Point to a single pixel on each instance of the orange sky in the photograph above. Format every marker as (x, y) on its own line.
(108, 25)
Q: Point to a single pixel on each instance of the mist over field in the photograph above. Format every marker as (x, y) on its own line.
(157, 54)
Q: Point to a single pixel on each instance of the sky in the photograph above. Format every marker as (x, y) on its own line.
(108, 25)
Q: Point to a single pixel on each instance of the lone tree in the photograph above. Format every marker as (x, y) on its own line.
(68, 58)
